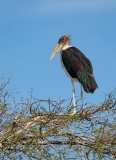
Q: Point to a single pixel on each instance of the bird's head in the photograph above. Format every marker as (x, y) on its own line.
(62, 43)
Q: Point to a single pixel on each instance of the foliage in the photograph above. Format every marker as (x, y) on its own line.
(46, 130)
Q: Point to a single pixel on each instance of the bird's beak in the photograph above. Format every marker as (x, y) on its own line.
(56, 50)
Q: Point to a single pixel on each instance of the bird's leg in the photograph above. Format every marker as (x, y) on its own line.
(73, 94)
(81, 95)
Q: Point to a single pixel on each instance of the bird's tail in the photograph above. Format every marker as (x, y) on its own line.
(88, 82)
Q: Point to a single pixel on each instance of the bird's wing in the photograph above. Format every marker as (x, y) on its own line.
(79, 67)
(74, 58)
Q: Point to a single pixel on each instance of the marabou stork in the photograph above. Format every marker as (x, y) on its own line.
(76, 66)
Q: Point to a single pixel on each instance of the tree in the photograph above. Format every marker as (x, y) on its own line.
(44, 129)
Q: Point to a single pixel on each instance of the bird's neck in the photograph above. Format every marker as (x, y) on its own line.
(66, 46)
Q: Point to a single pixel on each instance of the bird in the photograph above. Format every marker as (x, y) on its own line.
(76, 65)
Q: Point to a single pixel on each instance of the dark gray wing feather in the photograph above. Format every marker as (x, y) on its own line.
(80, 67)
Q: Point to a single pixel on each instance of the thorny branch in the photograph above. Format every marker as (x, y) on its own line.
(38, 128)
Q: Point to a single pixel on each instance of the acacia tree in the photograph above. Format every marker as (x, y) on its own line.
(46, 130)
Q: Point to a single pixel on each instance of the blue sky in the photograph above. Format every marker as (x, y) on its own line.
(29, 31)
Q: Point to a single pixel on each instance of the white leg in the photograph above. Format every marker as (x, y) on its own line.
(81, 95)
(73, 94)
